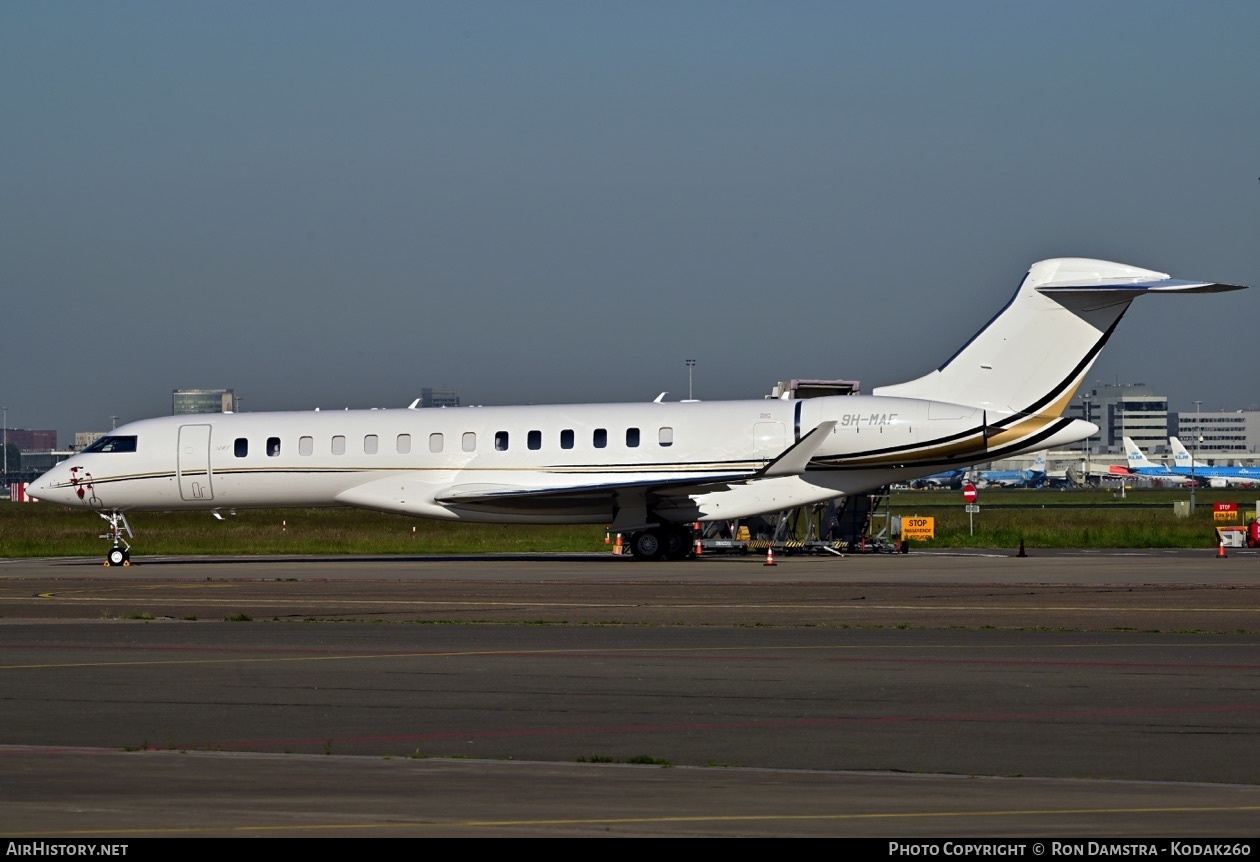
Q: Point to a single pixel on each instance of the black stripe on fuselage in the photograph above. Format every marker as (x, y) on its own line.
(991, 454)
(1056, 392)
(909, 447)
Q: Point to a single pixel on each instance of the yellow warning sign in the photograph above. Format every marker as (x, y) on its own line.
(1225, 512)
(918, 528)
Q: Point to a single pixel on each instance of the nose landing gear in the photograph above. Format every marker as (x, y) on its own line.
(120, 553)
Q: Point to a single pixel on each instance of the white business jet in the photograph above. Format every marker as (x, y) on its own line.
(648, 469)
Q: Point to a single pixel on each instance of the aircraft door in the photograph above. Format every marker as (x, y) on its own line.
(193, 462)
(769, 439)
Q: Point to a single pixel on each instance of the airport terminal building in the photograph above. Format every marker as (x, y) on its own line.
(1219, 432)
(1132, 410)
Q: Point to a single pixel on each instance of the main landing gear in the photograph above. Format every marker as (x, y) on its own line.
(667, 542)
(120, 553)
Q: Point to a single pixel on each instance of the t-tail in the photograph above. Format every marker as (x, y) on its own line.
(1025, 365)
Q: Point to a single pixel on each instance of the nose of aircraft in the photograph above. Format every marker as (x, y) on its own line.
(53, 486)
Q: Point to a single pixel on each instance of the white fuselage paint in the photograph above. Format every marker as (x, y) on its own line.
(384, 459)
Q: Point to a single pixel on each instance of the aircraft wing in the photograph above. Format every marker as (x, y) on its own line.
(563, 492)
(557, 494)
(666, 484)
(791, 462)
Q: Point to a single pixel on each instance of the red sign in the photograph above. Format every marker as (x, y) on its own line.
(1225, 507)
(969, 492)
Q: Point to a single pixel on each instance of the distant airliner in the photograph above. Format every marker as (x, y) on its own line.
(945, 479)
(1140, 465)
(1030, 478)
(648, 469)
(1213, 477)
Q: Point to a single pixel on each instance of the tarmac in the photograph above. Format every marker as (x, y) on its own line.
(927, 695)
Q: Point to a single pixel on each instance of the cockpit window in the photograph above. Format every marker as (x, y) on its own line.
(114, 444)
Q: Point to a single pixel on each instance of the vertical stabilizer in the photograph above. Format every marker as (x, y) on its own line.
(1136, 457)
(1181, 457)
(1031, 358)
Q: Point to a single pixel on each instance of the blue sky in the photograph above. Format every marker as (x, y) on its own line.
(335, 204)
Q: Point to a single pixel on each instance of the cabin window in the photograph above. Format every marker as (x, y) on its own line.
(566, 438)
(273, 447)
(126, 443)
(306, 445)
(600, 438)
(339, 445)
(500, 441)
(435, 442)
(241, 447)
(632, 437)
(404, 444)
(370, 444)
(665, 436)
(470, 441)
(535, 440)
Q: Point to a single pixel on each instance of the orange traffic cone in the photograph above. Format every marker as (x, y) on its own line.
(1220, 551)
(617, 549)
(770, 557)
(699, 547)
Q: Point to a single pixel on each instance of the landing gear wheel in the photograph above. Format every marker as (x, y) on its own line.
(118, 557)
(647, 545)
(678, 543)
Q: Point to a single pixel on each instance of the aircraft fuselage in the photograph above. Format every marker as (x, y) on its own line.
(539, 464)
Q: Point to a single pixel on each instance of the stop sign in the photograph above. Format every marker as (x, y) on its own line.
(969, 492)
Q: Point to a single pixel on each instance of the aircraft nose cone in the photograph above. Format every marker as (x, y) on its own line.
(38, 488)
(46, 488)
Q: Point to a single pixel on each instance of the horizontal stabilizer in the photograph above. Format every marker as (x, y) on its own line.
(1137, 288)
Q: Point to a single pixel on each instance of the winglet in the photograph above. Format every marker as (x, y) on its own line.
(796, 457)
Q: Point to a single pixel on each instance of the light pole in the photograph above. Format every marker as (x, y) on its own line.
(1194, 456)
(1124, 431)
(1085, 399)
(691, 363)
(1123, 481)
(6, 444)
